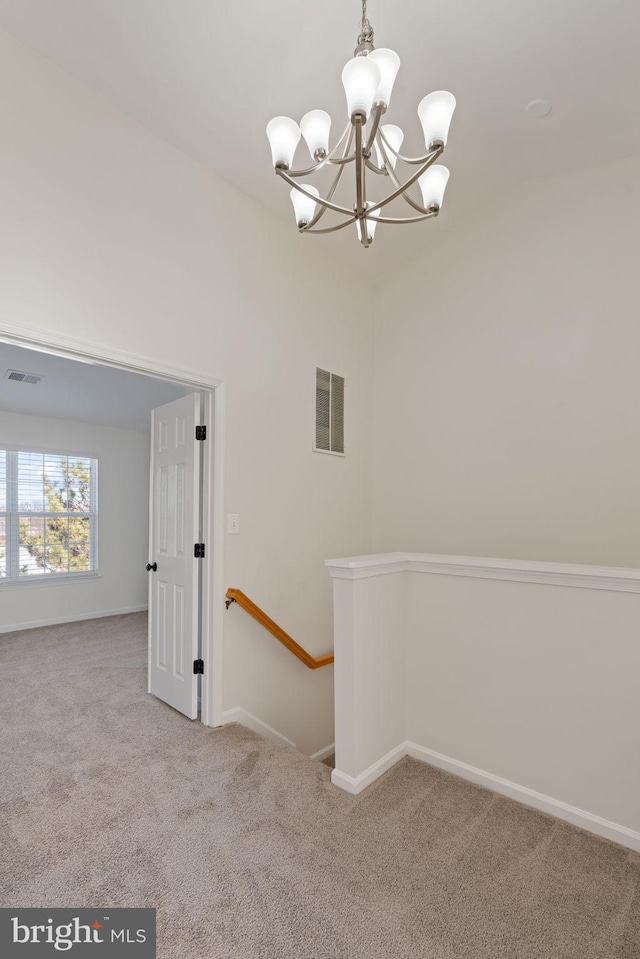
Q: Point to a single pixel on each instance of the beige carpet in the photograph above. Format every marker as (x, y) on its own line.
(110, 798)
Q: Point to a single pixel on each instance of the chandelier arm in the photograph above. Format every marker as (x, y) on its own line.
(329, 158)
(334, 185)
(316, 199)
(346, 156)
(343, 160)
(412, 179)
(348, 145)
(396, 182)
(407, 219)
(333, 229)
(413, 203)
(414, 161)
(347, 139)
(378, 110)
(312, 169)
(375, 169)
(346, 135)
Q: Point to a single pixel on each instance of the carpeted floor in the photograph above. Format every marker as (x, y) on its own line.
(110, 798)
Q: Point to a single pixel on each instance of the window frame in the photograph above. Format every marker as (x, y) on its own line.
(12, 513)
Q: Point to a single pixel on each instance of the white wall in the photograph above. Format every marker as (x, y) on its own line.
(507, 396)
(519, 676)
(370, 653)
(535, 684)
(109, 234)
(123, 523)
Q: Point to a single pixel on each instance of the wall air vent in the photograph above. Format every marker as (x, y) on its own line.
(329, 413)
(19, 377)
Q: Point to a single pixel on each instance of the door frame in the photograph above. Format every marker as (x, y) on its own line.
(213, 389)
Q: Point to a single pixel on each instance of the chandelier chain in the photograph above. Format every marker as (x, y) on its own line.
(366, 34)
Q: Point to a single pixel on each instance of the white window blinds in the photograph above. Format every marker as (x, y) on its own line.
(48, 514)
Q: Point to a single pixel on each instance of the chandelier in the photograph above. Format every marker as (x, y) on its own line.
(372, 148)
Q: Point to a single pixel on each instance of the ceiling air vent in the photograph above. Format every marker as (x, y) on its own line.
(329, 413)
(19, 377)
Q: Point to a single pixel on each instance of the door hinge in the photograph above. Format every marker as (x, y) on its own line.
(201, 432)
(198, 550)
(198, 667)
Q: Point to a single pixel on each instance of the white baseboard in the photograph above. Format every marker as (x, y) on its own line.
(356, 785)
(324, 753)
(71, 618)
(240, 715)
(529, 797)
(555, 807)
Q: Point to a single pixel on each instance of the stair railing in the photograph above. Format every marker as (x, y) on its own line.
(237, 596)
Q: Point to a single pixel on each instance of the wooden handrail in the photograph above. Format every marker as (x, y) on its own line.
(237, 596)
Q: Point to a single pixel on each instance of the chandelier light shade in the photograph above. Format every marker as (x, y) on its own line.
(394, 136)
(388, 63)
(284, 136)
(369, 223)
(304, 206)
(432, 185)
(435, 112)
(316, 127)
(368, 80)
(360, 79)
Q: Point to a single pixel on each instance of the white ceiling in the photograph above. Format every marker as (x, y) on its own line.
(80, 391)
(208, 75)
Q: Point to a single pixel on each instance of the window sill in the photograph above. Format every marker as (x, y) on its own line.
(317, 449)
(57, 579)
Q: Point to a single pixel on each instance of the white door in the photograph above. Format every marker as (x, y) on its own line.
(174, 532)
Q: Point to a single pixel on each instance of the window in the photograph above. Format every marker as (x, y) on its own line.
(48, 515)
(329, 413)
